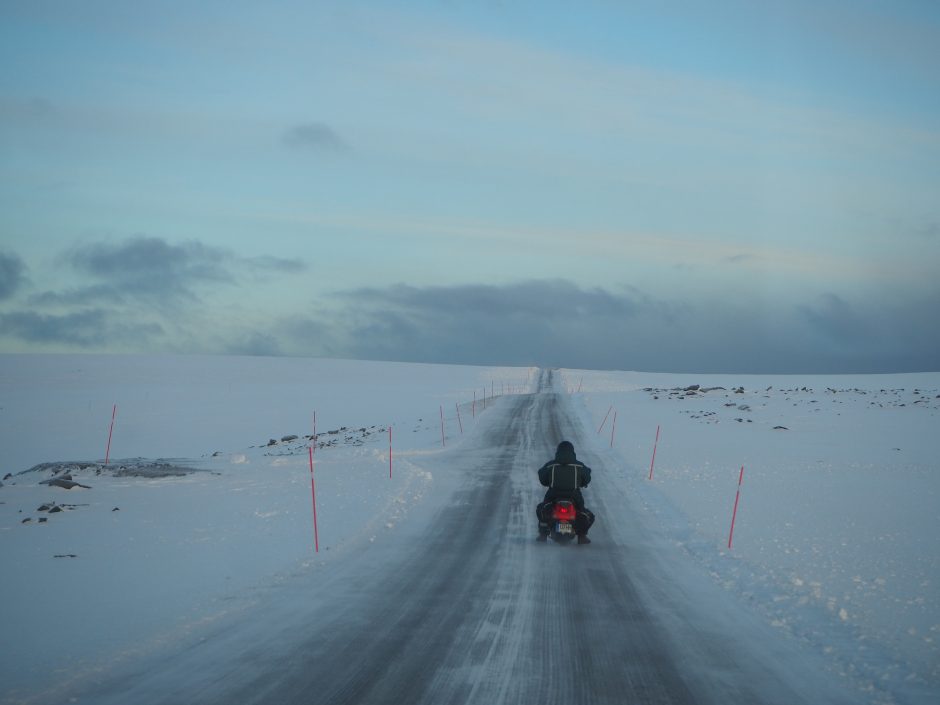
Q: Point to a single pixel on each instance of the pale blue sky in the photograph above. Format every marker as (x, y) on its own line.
(687, 186)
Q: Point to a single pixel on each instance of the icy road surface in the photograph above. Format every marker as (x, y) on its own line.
(464, 606)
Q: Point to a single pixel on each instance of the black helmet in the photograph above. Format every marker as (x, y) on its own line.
(565, 452)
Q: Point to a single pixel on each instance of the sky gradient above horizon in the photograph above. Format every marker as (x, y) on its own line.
(685, 187)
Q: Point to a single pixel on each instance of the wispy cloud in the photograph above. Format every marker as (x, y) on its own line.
(315, 136)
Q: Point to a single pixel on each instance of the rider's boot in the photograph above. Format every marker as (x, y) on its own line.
(583, 539)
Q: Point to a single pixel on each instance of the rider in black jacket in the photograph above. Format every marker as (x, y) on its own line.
(564, 456)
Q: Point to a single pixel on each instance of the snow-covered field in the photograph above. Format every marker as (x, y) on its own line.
(837, 534)
(836, 539)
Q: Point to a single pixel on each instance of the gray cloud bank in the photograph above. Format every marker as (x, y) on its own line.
(153, 271)
(557, 323)
(12, 274)
(138, 294)
(145, 294)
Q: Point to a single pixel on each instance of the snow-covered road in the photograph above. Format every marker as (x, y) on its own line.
(468, 608)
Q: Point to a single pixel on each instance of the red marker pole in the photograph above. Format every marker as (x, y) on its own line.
(459, 422)
(604, 422)
(613, 427)
(442, 427)
(313, 494)
(473, 409)
(734, 513)
(390, 451)
(655, 443)
(107, 452)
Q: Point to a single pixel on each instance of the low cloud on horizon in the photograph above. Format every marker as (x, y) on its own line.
(145, 294)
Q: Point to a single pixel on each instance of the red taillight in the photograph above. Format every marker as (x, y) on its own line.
(565, 511)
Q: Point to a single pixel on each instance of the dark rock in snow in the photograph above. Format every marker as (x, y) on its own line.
(152, 470)
(692, 388)
(65, 555)
(781, 428)
(272, 442)
(26, 520)
(116, 509)
(288, 439)
(64, 484)
(43, 520)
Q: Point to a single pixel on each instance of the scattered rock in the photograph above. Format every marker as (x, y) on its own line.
(692, 388)
(43, 520)
(63, 483)
(288, 439)
(26, 520)
(154, 470)
(116, 509)
(55, 509)
(9, 475)
(272, 442)
(781, 428)
(739, 390)
(65, 555)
